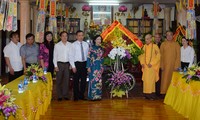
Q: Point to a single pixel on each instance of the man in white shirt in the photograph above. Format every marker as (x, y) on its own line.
(61, 64)
(78, 57)
(13, 58)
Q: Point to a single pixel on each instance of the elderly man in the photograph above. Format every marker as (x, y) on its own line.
(170, 61)
(150, 61)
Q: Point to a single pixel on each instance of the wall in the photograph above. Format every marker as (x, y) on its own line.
(79, 13)
(138, 14)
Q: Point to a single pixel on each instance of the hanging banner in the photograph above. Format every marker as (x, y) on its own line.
(191, 25)
(11, 20)
(53, 8)
(191, 4)
(67, 12)
(2, 13)
(52, 26)
(40, 27)
(42, 5)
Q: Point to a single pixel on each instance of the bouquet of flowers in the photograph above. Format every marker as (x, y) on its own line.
(120, 45)
(193, 73)
(120, 83)
(37, 71)
(7, 106)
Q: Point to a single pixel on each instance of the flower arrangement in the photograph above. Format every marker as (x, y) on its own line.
(7, 106)
(193, 73)
(36, 70)
(121, 48)
(120, 44)
(120, 82)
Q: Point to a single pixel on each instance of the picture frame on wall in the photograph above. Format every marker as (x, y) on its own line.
(102, 15)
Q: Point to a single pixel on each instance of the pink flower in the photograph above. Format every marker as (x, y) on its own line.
(3, 98)
(86, 8)
(122, 8)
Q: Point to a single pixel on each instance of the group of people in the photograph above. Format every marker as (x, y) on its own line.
(160, 60)
(62, 57)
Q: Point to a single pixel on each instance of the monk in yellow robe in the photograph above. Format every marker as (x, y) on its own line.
(150, 61)
(170, 61)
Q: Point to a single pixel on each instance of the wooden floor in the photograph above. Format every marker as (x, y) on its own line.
(115, 109)
(134, 108)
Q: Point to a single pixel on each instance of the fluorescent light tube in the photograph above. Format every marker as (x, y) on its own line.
(103, 3)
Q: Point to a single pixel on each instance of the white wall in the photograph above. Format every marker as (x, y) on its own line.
(79, 12)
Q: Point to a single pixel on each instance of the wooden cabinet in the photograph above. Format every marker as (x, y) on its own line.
(71, 25)
(142, 26)
(74, 26)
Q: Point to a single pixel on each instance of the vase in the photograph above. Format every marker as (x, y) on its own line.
(86, 23)
(118, 65)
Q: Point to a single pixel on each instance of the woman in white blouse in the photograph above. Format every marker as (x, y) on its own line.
(187, 54)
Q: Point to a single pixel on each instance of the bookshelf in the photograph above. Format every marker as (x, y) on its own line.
(74, 26)
(142, 26)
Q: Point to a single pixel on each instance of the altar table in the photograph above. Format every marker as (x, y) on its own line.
(183, 97)
(34, 101)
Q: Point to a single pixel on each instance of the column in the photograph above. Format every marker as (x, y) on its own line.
(167, 18)
(34, 23)
(25, 17)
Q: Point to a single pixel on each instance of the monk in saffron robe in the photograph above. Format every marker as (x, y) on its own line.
(150, 61)
(170, 61)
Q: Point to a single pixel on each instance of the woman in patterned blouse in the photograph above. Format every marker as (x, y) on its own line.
(46, 52)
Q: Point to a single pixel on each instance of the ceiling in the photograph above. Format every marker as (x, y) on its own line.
(122, 1)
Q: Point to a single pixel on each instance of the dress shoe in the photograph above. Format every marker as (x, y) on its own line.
(66, 98)
(59, 99)
(162, 96)
(83, 99)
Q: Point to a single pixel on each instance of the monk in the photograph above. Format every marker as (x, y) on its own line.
(170, 61)
(150, 61)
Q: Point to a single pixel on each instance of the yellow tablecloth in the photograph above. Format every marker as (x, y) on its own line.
(34, 101)
(183, 97)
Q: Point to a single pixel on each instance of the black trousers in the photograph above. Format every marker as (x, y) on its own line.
(16, 75)
(184, 65)
(81, 74)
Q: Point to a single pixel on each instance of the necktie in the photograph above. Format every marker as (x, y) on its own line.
(82, 52)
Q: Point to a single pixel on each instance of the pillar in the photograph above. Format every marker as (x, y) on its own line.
(25, 18)
(34, 23)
